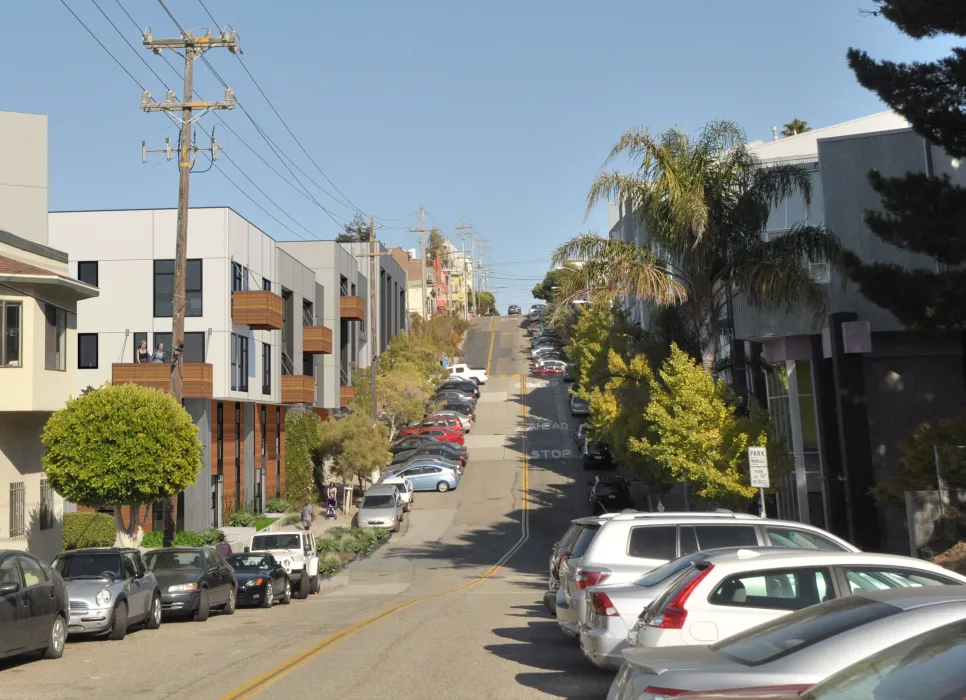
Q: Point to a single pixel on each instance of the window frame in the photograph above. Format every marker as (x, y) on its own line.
(266, 368)
(4, 306)
(59, 338)
(80, 277)
(138, 337)
(188, 290)
(831, 586)
(243, 363)
(652, 527)
(204, 345)
(80, 339)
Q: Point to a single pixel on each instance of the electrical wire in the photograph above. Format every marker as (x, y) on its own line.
(101, 44)
(130, 46)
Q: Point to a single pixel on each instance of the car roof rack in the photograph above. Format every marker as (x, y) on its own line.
(714, 515)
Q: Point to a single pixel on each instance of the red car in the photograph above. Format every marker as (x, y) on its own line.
(441, 434)
(550, 368)
(450, 423)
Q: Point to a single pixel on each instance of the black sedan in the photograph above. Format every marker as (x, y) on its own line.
(446, 394)
(261, 579)
(459, 405)
(193, 581)
(443, 449)
(411, 442)
(33, 607)
(465, 386)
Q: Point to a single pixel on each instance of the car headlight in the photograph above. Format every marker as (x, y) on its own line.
(103, 598)
(254, 582)
(286, 563)
(183, 588)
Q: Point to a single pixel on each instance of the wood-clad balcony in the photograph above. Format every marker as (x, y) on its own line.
(316, 340)
(346, 394)
(352, 308)
(258, 309)
(196, 377)
(298, 388)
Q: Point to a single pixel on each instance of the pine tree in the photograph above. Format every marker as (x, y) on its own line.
(922, 213)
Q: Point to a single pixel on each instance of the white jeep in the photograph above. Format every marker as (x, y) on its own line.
(295, 550)
(466, 372)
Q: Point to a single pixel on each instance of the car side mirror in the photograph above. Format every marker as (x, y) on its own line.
(9, 588)
(213, 569)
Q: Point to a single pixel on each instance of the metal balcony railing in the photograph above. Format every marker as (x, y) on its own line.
(288, 366)
(308, 318)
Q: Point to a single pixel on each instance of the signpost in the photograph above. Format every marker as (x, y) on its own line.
(758, 470)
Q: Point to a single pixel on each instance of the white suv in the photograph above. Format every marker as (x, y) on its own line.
(631, 544)
(295, 550)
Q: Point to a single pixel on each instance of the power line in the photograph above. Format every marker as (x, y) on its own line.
(130, 46)
(101, 44)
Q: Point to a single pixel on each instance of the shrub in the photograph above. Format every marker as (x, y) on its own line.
(187, 539)
(291, 519)
(241, 518)
(153, 540)
(381, 533)
(210, 537)
(330, 563)
(343, 540)
(278, 505)
(89, 530)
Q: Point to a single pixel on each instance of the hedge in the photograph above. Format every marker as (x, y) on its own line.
(155, 539)
(89, 530)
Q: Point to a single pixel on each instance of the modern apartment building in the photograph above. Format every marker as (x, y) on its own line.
(38, 338)
(263, 330)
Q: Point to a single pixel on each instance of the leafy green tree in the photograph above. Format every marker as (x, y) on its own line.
(302, 441)
(359, 447)
(696, 433)
(548, 289)
(402, 392)
(122, 445)
(355, 231)
(922, 213)
(794, 127)
(598, 331)
(437, 245)
(483, 302)
(704, 203)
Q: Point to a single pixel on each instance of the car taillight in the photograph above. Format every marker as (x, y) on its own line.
(586, 578)
(653, 692)
(601, 604)
(673, 615)
(560, 558)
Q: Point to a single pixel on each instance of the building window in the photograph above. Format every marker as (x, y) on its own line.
(87, 351)
(264, 424)
(266, 368)
(234, 362)
(194, 347)
(46, 506)
(238, 494)
(87, 272)
(18, 510)
(221, 440)
(138, 338)
(11, 319)
(164, 289)
(165, 340)
(278, 451)
(239, 362)
(266, 284)
(239, 277)
(55, 338)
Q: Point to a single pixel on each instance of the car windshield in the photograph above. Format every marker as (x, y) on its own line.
(929, 665)
(173, 561)
(377, 501)
(583, 540)
(798, 630)
(89, 565)
(269, 542)
(248, 563)
(665, 572)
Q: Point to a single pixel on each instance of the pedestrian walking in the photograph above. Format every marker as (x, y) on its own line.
(307, 515)
(223, 548)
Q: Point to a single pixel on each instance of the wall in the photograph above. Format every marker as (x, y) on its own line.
(197, 498)
(20, 452)
(23, 175)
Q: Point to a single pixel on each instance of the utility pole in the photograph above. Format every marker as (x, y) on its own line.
(193, 47)
(422, 231)
(466, 286)
(372, 318)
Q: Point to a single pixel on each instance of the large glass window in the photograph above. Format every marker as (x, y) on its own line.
(55, 338)
(239, 277)
(775, 590)
(164, 289)
(11, 321)
(194, 347)
(266, 368)
(653, 543)
(138, 339)
(87, 272)
(234, 362)
(239, 362)
(87, 350)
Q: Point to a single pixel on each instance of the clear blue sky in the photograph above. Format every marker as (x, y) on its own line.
(502, 109)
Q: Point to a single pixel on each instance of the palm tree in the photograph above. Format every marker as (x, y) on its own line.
(795, 126)
(704, 203)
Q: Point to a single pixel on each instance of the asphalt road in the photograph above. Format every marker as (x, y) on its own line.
(450, 608)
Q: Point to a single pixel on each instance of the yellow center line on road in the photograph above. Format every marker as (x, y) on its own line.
(258, 684)
(489, 358)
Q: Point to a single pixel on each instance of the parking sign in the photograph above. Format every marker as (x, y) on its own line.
(758, 467)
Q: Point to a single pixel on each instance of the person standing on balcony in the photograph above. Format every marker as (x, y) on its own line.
(143, 354)
(159, 354)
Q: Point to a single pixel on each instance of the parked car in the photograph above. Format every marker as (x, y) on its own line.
(381, 507)
(109, 590)
(448, 450)
(426, 477)
(513, 310)
(450, 423)
(608, 494)
(550, 368)
(580, 435)
(295, 550)
(629, 545)
(798, 649)
(444, 394)
(193, 581)
(405, 488)
(595, 455)
(33, 607)
(578, 406)
(261, 579)
(466, 372)
(441, 434)
(465, 421)
(412, 442)
(465, 385)
(458, 405)
(435, 460)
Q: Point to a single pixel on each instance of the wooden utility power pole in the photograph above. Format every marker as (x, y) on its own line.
(373, 317)
(422, 231)
(466, 287)
(193, 47)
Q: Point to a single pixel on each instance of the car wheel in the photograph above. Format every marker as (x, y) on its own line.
(442, 487)
(477, 381)
(229, 607)
(316, 585)
(56, 639)
(119, 625)
(304, 586)
(204, 606)
(154, 617)
(269, 596)
(287, 595)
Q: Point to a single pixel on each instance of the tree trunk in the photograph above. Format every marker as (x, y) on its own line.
(129, 535)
